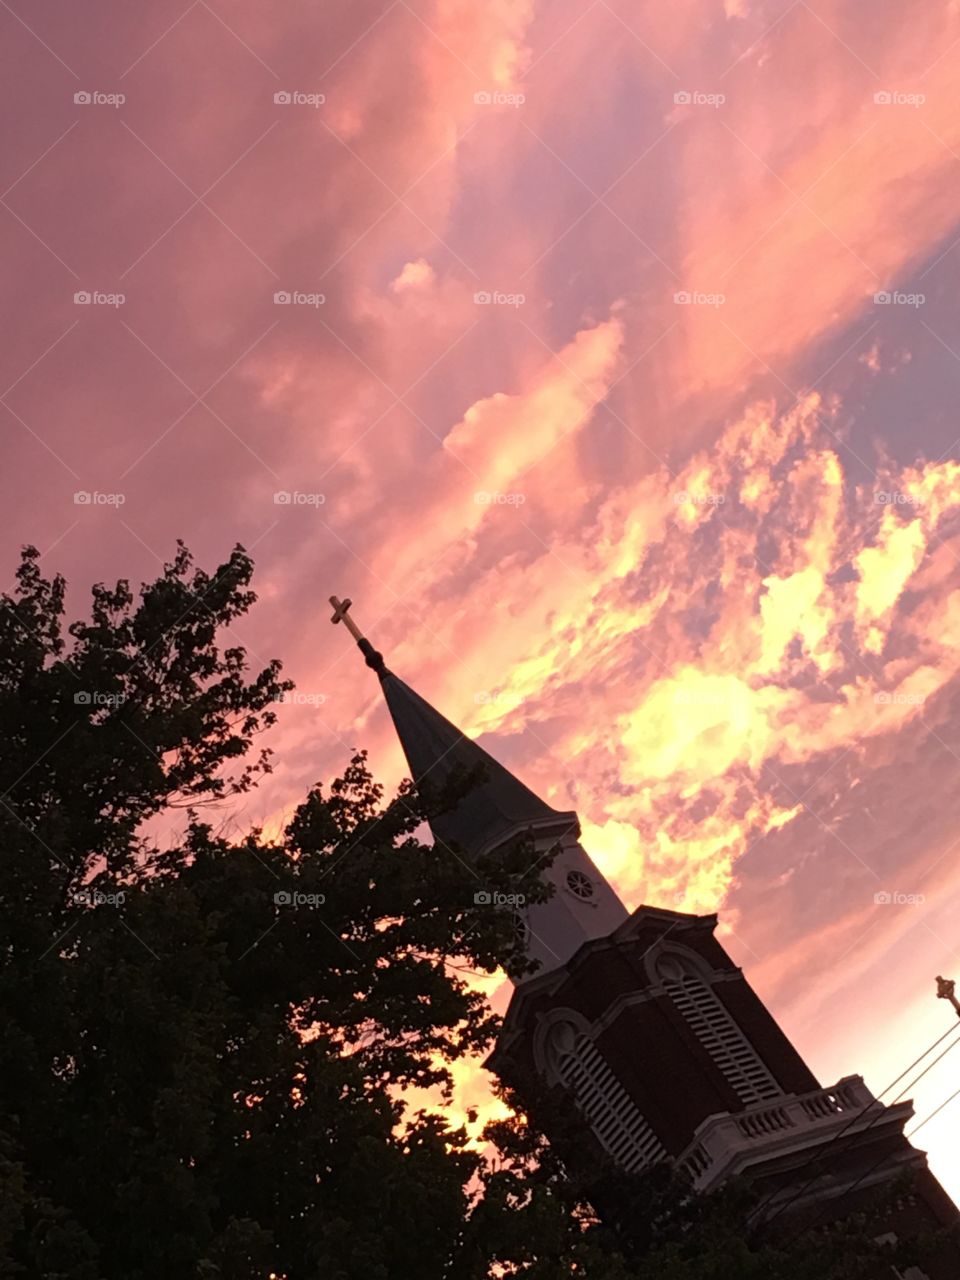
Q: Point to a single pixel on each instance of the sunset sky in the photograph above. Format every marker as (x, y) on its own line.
(615, 384)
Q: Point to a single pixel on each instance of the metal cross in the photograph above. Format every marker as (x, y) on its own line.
(373, 659)
(340, 614)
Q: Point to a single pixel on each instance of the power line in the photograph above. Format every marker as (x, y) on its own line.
(876, 1165)
(818, 1155)
(955, 1094)
(821, 1153)
(825, 1151)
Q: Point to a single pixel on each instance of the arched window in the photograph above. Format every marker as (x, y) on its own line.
(712, 1024)
(616, 1122)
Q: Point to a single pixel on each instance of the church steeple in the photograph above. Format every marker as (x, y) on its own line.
(644, 1024)
(492, 811)
(499, 809)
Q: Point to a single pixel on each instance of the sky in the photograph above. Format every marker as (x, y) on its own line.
(606, 355)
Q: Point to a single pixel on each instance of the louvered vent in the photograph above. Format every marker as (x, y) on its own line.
(716, 1030)
(612, 1116)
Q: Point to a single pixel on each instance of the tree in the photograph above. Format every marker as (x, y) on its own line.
(206, 1047)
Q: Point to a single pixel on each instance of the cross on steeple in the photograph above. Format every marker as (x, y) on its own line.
(341, 614)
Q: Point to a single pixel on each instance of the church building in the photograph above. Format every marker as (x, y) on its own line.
(643, 1023)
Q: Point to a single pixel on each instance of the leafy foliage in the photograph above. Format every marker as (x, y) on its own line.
(206, 1047)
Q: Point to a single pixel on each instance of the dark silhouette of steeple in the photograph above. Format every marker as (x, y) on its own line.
(436, 749)
(497, 806)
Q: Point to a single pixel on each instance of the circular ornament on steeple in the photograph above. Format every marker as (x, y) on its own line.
(580, 885)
